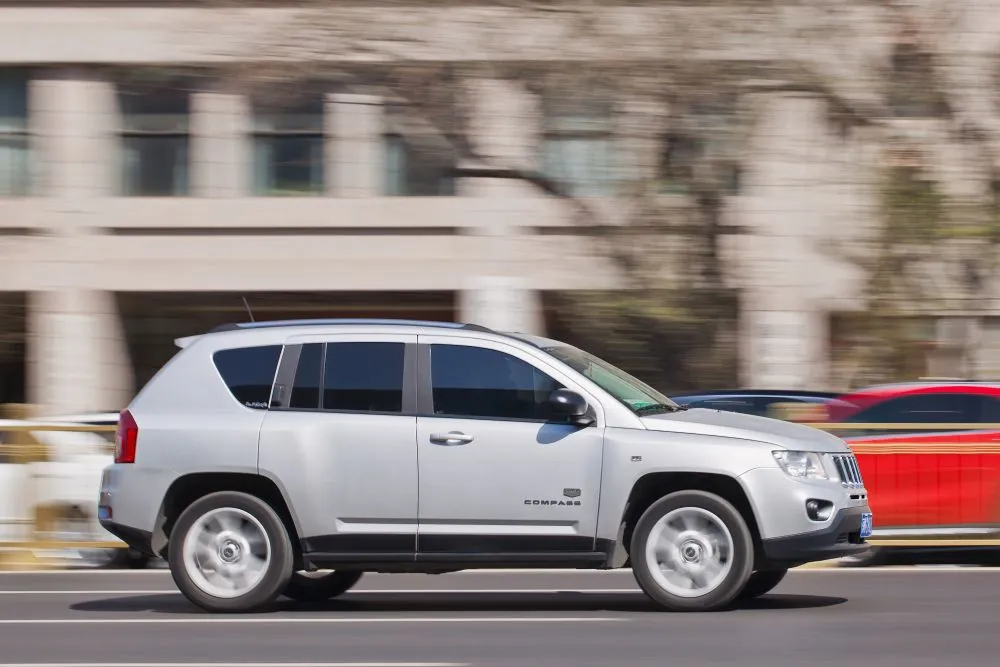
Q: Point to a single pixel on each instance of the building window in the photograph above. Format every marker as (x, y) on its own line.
(914, 88)
(702, 148)
(15, 156)
(288, 149)
(155, 140)
(414, 169)
(578, 146)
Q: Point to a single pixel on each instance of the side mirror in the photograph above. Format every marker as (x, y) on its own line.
(566, 403)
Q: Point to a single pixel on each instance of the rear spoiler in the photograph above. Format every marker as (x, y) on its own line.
(185, 341)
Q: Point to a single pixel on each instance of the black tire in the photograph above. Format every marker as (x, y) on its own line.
(318, 587)
(278, 571)
(762, 582)
(873, 557)
(727, 590)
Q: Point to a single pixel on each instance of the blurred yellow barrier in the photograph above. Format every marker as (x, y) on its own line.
(40, 520)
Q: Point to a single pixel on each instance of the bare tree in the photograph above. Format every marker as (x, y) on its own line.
(691, 69)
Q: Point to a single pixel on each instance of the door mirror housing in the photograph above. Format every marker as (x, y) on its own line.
(567, 403)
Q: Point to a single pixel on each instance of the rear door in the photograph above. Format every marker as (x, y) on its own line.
(339, 439)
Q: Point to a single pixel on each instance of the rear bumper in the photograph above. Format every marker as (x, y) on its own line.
(140, 540)
(840, 538)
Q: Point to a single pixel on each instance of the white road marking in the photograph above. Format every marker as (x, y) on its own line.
(623, 571)
(397, 591)
(234, 664)
(285, 620)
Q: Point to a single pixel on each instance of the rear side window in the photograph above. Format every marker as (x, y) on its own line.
(249, 373)
(363, 377)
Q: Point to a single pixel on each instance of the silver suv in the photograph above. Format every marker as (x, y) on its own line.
(288, 458)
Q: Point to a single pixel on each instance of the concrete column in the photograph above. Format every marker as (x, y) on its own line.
(502, 303)
(75, 118)
(355, 155)
(801, 193)
(77, 355)
(784, 348)
(505, 125)
(221, 154)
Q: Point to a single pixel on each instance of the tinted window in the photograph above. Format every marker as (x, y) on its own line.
(925, 409)
(477, 382)
(249, 373)
(744, 405)
(364, 377)
(305, 386)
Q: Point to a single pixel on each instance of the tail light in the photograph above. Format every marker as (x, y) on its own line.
(126, 436)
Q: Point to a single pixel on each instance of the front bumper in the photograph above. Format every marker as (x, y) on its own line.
(841, 537)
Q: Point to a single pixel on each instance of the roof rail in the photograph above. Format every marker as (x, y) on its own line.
(236, 326)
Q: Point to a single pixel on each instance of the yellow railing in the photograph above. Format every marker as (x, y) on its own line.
(19, 446)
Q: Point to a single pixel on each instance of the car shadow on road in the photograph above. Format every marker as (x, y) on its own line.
(417, 601)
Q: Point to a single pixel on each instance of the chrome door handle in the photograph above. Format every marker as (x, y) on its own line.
(451, 438)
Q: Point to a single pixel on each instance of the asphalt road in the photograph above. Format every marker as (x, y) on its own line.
(879, 616)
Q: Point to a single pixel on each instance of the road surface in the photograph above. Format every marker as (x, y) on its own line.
(878, 617)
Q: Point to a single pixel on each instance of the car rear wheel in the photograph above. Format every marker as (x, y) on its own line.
(762, 582)
(318, 586)
(230, 552)
(692, 551)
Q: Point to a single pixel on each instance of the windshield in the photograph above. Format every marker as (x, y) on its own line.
(635, 394)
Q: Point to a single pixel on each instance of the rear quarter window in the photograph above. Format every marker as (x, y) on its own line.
(249, 373)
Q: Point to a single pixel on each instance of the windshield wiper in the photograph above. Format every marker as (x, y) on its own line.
(658, 408)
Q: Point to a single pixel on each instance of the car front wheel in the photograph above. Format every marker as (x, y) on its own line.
(762, 582)
(692, 551)
(230, 552)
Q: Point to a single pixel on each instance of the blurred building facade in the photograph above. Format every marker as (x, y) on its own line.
(106, 205)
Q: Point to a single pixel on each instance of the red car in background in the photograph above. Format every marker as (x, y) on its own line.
(937, 482)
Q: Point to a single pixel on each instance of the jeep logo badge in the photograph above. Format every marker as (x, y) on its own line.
(571, 493)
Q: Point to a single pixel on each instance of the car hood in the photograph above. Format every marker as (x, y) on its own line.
(724, 424)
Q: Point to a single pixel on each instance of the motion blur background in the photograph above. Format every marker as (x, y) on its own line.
(776, 194)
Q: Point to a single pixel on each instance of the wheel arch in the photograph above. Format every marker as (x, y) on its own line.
(654, 485)
(186, 489)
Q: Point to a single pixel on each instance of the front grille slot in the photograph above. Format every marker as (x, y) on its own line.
(848, 470)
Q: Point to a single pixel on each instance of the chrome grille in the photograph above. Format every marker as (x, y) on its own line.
(848, 470)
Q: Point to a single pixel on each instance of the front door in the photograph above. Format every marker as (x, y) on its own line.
(498, 477)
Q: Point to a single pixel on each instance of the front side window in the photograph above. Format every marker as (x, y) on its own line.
(364, 377)
(478, 382)
(249, 373)
(635, 394)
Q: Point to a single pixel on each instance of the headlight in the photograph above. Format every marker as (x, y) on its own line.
(804, 465)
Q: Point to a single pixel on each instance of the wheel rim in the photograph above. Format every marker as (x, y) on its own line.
(689, 552)
(227, 552)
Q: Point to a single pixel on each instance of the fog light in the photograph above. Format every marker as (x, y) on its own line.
(818, 510)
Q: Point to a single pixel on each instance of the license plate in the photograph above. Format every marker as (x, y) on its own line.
(866, 525)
